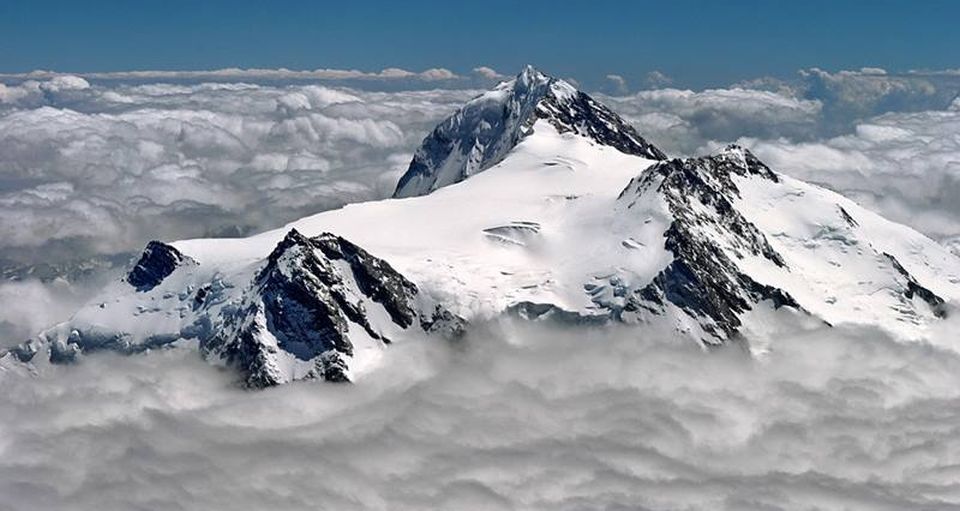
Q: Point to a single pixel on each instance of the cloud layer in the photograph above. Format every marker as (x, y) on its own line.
(97, 169)
(520, 417)
(91, 168)
(683, 122)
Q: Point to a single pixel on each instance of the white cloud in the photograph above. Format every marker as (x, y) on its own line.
(851, 96)
(103, 169)
(438, 74)
(903, 164)
(873, 71)
(488, 73)
(522, 417)
(683, 121)
(618, 82)
(29, 306)
(657, 80)
(11, 94)
(65, 82)
(519, 417)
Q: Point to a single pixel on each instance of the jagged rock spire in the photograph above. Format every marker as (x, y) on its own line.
(483, 131)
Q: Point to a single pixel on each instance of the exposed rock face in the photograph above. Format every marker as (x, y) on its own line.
(310, 306)
(914, 288)
(706, 235)
(316, 308)
(158, 261)
(479, 135)
(374, 277)
(711, 240)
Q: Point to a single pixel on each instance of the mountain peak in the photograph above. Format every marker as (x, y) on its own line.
(537, 84)
(530, 74)
(292, 239)
(482, 132)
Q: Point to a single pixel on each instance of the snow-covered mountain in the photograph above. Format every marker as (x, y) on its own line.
(482, 132)
(563, 223)
(314, 308)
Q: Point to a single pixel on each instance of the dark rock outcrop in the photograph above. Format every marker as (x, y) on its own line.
(915, 289)
(306, 304)
(703, 281)
(156, 263)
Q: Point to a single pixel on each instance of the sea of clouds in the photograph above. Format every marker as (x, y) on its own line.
(513, 417)
(100, 169)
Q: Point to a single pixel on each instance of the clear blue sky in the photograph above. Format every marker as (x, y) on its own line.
(696, 42)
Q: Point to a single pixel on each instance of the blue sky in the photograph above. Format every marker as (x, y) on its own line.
(698, 43)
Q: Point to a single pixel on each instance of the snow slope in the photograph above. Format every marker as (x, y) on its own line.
(529, 229)
(557, 223)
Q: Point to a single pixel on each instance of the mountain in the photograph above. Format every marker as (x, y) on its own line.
(741, 235)
(559, 227)
(317, 304)
(482, 132)
(314, 308)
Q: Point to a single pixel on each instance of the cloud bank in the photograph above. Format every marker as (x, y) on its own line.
(521, 417)
(682, 122)
(94, 169)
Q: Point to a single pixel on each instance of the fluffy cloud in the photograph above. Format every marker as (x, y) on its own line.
(488, 73)
(30, 305)
(889, 141)
(87, 170)
(618, 83)
(870, 91)
(523, 417)
(850, 97)
(683, 121)
(518, 416)
(656, 80)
